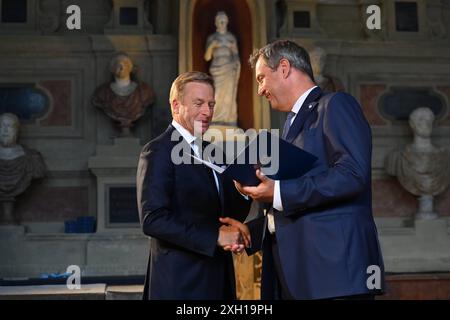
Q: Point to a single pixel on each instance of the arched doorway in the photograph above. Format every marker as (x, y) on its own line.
(239, 16)
(247, 23)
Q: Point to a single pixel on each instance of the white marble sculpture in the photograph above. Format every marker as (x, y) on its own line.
(18, 166)
(318, 58)
(225, 68)
(421, 168)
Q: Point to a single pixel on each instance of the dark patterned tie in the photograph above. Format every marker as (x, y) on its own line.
(287, 124)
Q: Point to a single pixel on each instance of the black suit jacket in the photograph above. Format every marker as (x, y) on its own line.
(179, 208)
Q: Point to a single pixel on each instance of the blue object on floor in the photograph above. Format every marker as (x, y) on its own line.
(83, 224)
(70, 226)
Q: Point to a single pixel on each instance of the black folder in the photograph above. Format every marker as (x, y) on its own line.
(286, 161)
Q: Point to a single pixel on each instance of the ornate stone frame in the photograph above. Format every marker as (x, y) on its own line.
(404, 35)
(28, 27)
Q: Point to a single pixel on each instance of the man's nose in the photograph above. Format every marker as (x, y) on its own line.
(261, 90)
(206, 110)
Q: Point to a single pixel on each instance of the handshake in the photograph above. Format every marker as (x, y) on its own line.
(234, 236)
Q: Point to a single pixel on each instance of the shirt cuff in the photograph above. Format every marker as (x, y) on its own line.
(277, 196)
(244, 195)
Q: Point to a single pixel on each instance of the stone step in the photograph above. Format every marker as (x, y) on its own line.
(133, 292)
(53, 292)
(61, 292)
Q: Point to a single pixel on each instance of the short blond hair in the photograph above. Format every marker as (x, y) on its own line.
(178, 85)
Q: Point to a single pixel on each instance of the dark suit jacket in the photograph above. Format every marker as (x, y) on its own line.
(179, 208)
(326, 234)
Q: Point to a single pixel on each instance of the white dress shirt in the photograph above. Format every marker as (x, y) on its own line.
(277, 204)
(191, 139)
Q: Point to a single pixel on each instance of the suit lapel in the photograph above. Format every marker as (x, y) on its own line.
(306, 110)
(199, 168)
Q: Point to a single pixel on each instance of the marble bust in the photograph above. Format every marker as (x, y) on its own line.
(123, 99)
(18, 165)
(421, 168)
(318, 58)
(225, 68)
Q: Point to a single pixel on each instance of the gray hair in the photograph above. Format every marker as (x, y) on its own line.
(272, 54)
(12, 117)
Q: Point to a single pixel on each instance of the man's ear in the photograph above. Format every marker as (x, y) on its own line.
(175, 106)
(285, 66)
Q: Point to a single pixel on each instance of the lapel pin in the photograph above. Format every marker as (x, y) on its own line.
(310, 106)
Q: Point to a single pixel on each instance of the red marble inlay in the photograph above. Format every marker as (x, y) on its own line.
(61, 114)
(442, 203)
(389, 199)
(51, 204)
(446, 91)
(369, 94)
(417, 287)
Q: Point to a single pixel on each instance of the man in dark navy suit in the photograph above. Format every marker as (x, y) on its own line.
(180, 204)
(320, 238)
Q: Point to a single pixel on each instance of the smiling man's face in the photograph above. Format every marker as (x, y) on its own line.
(195, 108)
(271, 85)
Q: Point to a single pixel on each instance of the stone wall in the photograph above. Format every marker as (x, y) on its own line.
(67, 66)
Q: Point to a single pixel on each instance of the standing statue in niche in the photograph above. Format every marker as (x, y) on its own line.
(225, 68)
(421, 168)
(18, 166)
(123, 99)
(318, 58)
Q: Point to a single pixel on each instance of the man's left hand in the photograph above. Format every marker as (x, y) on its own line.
(262, 192)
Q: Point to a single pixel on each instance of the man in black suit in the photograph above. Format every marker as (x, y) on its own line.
(180, 204)
(321, 240)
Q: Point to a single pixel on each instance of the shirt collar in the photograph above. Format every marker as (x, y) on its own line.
(298, 104)
(184, 133)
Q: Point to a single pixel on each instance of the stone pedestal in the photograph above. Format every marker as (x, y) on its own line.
(423, 247)
(426, 211)
(115, 168)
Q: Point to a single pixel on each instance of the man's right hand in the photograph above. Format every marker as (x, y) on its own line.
(230, 237)
(244, 240)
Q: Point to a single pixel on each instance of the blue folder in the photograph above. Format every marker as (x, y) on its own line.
(289, 160)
